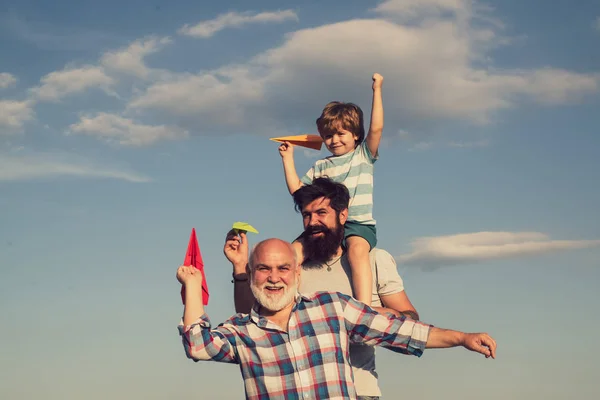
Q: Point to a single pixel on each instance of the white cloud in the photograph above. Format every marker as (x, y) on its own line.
(59, 84)
(415, 8)
(13, 114)
(208, 28)
(436, 68)
(550, 85)
(131, 59)
(484, 246)
(125, 131)
(204, 95)
(596, 24)
(7, 80)
(46, 166)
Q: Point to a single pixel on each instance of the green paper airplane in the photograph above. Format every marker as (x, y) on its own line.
(243, 226)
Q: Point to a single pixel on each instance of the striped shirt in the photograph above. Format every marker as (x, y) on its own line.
(355, 171)
(310, 359)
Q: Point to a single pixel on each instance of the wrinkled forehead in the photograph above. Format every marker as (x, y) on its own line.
(273, 254)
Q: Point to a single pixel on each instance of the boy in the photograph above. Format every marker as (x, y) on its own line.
(342, 128)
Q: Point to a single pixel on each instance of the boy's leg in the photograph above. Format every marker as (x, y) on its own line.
(362, 279)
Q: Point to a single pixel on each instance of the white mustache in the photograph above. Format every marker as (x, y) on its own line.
(273, 287)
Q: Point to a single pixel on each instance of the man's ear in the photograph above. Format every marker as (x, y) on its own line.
(343, 216)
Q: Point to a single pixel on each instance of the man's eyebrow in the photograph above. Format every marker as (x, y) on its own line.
(278, 266)
(322, 208)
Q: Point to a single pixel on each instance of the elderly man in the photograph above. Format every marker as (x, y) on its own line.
(296, 346)
(324, 208)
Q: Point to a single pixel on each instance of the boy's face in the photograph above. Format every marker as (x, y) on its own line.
(339, 141)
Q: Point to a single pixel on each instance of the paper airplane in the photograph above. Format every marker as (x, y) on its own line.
(243, 226)
(311, 141)
(193, 257)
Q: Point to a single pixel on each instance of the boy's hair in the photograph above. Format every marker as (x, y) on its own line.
(346, 116)
(337, 193)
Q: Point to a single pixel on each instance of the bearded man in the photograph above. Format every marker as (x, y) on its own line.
(296, 346)
(323, 205)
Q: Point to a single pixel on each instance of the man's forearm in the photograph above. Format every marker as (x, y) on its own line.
(194, 308)
(407, 313)
(444, 338)
(243, 299)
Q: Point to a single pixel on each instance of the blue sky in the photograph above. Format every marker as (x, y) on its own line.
(125, 124)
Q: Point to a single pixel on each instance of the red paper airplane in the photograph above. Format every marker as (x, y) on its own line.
(194, 257)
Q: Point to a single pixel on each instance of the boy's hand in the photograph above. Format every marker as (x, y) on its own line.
(377, 81)
(187, 274)
(286, 150)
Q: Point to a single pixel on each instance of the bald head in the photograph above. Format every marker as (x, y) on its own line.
(272, 247)
(274, 274)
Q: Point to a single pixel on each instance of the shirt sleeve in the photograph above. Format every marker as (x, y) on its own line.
(202, 343)
(367, 326)
(367, 153)
(388, 279)
(308, 178)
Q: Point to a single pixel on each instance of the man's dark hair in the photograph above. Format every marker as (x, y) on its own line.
(337, 193)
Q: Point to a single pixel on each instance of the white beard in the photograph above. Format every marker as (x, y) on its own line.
(274, 302)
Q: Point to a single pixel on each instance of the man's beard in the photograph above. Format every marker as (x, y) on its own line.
(274, 302)
(320, 249)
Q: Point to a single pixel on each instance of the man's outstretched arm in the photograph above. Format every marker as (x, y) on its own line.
(478, 342)
(367, 326)
(236, 251)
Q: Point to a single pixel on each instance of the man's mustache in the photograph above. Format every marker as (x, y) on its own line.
(317, 229)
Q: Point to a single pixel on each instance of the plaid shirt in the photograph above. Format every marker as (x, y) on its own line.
(310, 360)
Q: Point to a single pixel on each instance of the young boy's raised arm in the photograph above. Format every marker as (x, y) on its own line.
(286, 150)
(376, 127)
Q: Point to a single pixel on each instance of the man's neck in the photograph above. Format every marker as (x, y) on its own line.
(280, 318)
